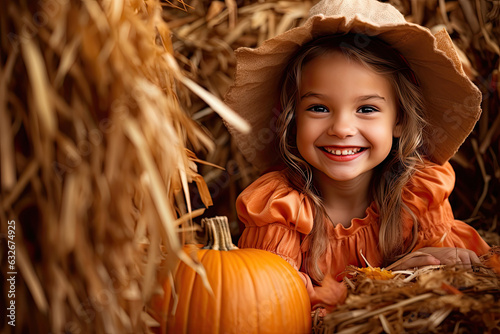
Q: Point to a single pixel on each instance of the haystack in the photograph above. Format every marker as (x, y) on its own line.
(96, 163)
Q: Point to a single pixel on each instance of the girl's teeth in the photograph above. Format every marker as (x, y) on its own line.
(344, 152)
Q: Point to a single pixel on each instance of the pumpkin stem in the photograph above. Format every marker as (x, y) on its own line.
(218, 234)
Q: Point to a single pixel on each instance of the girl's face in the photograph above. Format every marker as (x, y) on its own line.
(345, 117)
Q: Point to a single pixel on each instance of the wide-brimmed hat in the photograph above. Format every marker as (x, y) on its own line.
(452, 101)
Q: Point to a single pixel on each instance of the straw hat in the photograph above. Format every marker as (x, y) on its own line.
(452, 101)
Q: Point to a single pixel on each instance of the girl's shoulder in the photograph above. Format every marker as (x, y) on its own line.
(271, 199)
(266, 185)
(270, 187)
(430, 185)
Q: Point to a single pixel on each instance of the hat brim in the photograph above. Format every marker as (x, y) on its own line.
(452, 101)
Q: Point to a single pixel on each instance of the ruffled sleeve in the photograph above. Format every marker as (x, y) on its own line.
(276, 217)
(426, 196)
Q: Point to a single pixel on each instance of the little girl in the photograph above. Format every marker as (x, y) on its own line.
(364, 109)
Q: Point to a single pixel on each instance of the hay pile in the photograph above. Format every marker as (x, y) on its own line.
(433, 299)
(95, 166)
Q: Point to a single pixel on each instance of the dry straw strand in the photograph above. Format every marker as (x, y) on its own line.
(95, 161)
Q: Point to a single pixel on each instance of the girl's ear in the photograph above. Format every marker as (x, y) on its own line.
(396, 132)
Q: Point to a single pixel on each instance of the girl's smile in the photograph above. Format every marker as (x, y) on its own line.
(338, 153)
(345, 117)
(343, 150)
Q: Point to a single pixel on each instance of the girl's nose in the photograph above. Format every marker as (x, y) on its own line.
(342, 125)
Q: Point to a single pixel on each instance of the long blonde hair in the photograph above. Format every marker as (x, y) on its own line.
(391, 175)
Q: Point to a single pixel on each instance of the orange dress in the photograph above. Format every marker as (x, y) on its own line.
(277, 218)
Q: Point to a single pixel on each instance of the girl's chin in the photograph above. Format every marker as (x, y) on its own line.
(342, 174)
(338, 176)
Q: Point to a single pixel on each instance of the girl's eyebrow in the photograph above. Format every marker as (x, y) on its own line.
(360, 99)
(371, 97)
(311, 94)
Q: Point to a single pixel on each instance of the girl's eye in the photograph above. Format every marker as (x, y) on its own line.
(367, 109)
(318, 108)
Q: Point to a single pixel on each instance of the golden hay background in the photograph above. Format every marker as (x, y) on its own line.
(97, 125)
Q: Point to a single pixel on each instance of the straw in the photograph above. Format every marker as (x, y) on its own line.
(430, 299)
(97, 158)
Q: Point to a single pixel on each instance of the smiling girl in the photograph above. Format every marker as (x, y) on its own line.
(364, 136)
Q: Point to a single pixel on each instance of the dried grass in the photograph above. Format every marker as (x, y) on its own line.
(433, 299)
(95, 166)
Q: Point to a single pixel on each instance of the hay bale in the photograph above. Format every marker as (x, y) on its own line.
(95, 166)
(437, 299)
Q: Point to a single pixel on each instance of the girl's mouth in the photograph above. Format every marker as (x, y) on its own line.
(343, 151)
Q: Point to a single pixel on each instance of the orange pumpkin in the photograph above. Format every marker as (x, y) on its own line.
(254, 291)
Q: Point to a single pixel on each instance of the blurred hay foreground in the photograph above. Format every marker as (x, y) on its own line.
(95, 166)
